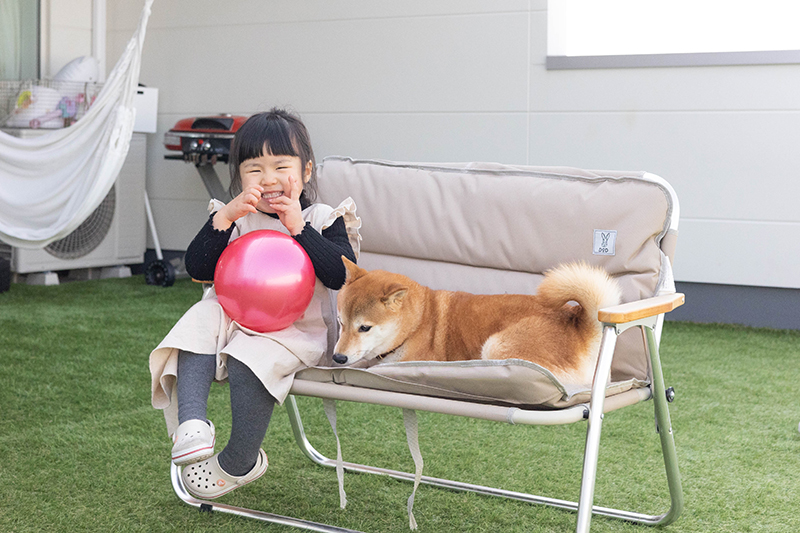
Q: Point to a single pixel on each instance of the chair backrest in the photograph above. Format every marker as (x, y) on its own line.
(491, 228)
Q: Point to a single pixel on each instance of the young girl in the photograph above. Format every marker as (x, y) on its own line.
(273, 184)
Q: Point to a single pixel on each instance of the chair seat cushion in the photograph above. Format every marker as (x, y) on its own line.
(511, 381)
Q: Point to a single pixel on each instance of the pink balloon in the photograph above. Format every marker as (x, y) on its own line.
(264, 280)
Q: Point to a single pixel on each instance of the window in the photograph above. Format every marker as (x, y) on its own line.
(19, 39)
(620, 33)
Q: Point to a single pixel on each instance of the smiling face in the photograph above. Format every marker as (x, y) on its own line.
(276, 132)
(272, 172)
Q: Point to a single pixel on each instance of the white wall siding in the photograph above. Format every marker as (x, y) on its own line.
(451, 80)
(200, 13)
(453, 64)
(767, 253)
(423, 136)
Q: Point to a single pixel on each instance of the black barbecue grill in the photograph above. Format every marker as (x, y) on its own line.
(204, 141)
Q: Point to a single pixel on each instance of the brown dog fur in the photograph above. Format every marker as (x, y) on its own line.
(391, 317)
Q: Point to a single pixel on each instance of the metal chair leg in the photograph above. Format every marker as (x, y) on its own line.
(592, 449)
(645, 519)
(209, 505)
(664, 425)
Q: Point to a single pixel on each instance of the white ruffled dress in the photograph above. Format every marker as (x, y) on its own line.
(273, 357)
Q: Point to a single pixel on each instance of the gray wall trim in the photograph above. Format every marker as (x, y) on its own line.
(763, 307)
(773, 57)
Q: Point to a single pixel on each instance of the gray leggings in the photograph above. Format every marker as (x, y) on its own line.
(251, 406)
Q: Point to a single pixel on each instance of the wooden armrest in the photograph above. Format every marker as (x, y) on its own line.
(619, 314)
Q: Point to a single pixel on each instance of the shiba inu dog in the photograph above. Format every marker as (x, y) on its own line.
(392, 318)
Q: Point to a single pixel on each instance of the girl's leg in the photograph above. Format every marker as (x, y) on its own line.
(195, 375)
(251, 409)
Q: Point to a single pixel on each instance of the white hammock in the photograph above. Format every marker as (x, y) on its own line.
(51, 183)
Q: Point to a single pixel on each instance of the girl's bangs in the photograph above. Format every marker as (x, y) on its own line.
(273, 137)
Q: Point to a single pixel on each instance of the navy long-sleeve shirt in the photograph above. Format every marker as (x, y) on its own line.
(324, 249)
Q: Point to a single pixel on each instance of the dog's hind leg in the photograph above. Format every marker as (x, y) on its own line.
(528, 339)
(543, 342)
(494, 348)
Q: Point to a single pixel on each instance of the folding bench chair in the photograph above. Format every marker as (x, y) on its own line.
(498, 229)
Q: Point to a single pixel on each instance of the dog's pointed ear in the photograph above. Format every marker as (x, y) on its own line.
(353, 271)
(393, 296)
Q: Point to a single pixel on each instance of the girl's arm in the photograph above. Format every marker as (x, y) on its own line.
(326, 251)
(204, 251)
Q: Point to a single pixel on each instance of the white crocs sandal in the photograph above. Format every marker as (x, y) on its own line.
(207, 480)
(194, 441)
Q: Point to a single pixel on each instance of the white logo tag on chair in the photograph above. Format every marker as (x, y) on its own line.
(605, 242)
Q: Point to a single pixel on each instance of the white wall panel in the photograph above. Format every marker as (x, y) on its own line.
(725, 165)
(538, 39)
(200, 13)
(421, 137)
(177, 180)
(178, 221)
(738, 253)
(465, 63)
(464, 80)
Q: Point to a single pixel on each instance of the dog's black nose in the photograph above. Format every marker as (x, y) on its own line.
(339, 358)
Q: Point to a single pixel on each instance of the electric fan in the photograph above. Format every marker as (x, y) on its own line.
(89, 234)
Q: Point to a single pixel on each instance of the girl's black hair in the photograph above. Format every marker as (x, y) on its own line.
(275, 132)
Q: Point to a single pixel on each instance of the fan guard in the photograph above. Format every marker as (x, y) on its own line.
(89, 234)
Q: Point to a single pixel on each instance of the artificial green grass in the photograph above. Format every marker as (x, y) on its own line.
(82, 450)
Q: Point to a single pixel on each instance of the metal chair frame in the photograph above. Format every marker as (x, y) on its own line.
(650, 323)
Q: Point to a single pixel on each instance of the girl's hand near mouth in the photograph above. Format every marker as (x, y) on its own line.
(238, 207)
(288, 209)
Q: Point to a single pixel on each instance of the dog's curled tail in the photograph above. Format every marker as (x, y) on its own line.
(590, 286)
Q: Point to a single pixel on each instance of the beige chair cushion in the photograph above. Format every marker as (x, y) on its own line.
(509, 382)
(490, 228)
